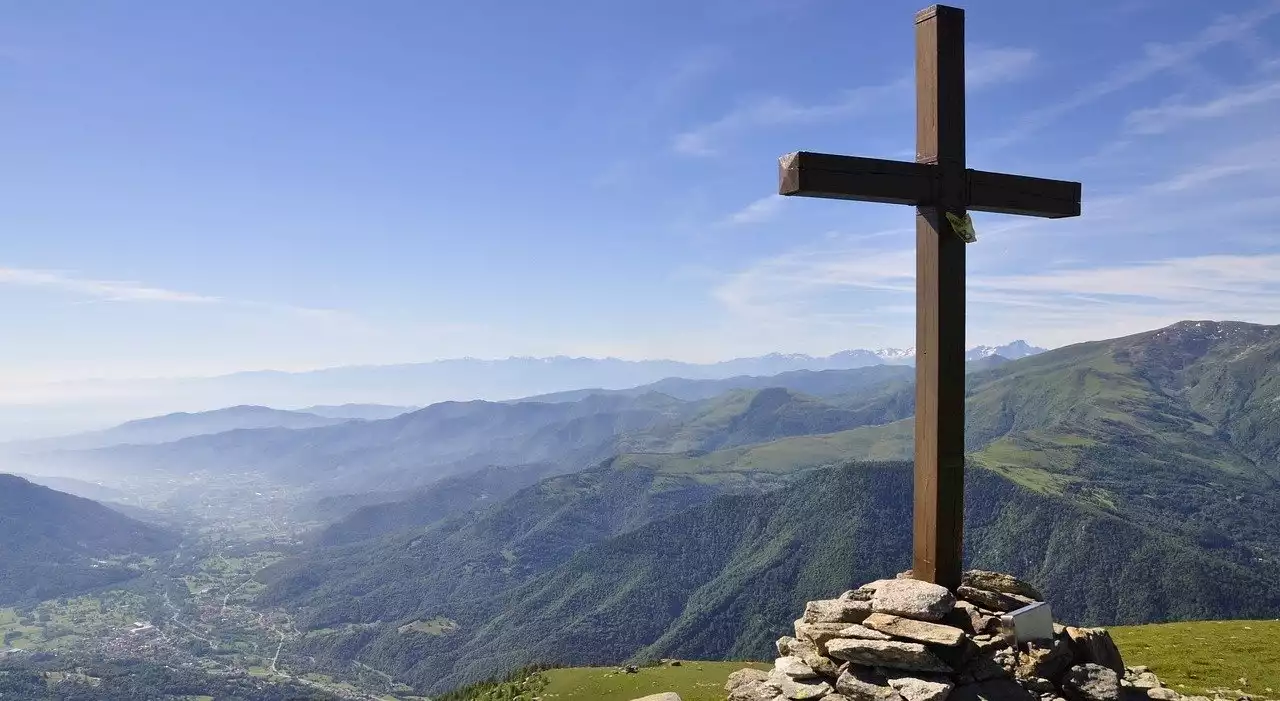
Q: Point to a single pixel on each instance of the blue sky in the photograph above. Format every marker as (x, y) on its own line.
(201, 188)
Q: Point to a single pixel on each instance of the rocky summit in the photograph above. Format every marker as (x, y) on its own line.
(906, 640)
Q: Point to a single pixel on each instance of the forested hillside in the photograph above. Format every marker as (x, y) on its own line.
(720, 580)
(52, 544)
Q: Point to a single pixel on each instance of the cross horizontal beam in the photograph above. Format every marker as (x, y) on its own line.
(808, 174)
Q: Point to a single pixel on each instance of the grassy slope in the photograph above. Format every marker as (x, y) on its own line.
(1193, 658)
(694, 681)
(1201, 656)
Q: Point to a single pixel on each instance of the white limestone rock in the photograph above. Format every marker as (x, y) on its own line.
(836, 611)
(913, 630)
(912, 599)
(794, 667)
(922, 688)
(799, 690)
(862, 684)
(912, 657)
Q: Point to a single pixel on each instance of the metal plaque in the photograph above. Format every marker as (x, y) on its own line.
(1031, 622)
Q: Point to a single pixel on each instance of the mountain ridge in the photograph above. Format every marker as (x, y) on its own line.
(176, 426)
(405, 384)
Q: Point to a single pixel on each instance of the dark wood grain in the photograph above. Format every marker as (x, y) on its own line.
(1020, 194)
(940, 260)
(937, 183)
(852, 178)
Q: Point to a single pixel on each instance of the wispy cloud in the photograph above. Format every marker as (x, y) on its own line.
(789, 285)
(1157, 58)
(809, 294)
(776, 111)
(757, 212)
(105, 290)
(654, 96)
(985, 66)
(1225, 285)
(1174, 113)
(991, 66)
(129, 291)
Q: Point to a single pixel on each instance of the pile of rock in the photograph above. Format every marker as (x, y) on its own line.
(907, 640)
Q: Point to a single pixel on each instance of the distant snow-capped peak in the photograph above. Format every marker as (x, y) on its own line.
(895, 353)
(1009, 351)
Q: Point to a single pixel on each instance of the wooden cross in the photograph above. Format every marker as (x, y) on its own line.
(937, 184)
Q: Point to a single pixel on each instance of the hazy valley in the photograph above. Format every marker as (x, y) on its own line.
(378, 551)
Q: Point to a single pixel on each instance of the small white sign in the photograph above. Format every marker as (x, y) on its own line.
(1031, 622)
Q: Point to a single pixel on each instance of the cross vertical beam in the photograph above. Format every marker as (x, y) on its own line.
(940, 259)
(936, 184)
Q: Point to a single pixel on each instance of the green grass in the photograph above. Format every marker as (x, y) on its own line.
(1197, 658)
(694, 681)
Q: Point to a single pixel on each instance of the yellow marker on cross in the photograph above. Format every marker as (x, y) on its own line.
(963, 227)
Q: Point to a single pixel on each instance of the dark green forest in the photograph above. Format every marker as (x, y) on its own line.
(55, 544)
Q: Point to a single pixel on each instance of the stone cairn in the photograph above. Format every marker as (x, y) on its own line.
(907, 640)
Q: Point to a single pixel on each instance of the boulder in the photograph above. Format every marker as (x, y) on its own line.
(1000, 582)
(990, 643)
(799, 690)
(955, 656)
(755, 691)
(864, 592)
(862, 684)
(980, 668)
(1045, 660)
(820, 633)
(917, 631)
(808, 652)
(836, 611)
(912, 599)
(1091, 682)
(1095, 645)
(1145, 680)
(921, 688)
(966, 617)
(859, 630)
(1161, 693)
(794, 667)
(666, 696)
(972, 619)
(886, 653)
(743, 676)
(993, 600)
